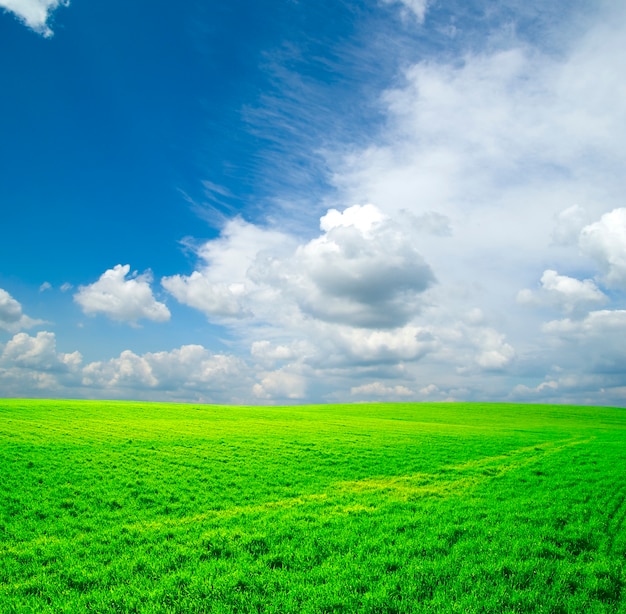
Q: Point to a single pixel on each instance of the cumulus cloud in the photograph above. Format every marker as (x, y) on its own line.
(32, 366)
(214, 299)
(546, 390)
(493, 352)
(190, 371)
(378, 389)
(38, 353)
(281, 384)
(354, 297)
(268, 354)
(565, 293)
(592, 346)
(363, 270)
(429, 390)
(473, 175)
(125, 300)
(12, 317)
(128, 370)
(195, 367)
(221, 287)
(10, 310)
(34, 13)
(500, 141)
(605, 242)
(598, 324)
(407, 343)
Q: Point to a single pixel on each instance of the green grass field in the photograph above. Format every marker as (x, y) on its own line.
(139, 507)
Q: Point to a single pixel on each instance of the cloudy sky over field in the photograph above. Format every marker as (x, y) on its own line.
(291, 201)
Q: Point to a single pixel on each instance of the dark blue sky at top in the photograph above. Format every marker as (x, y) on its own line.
(103, 124)
(130, 105)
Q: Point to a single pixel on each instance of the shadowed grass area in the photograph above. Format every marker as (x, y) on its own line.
(138, 507)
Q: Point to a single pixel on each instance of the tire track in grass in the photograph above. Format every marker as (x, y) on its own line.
(462, 476)
(25, 547)
(339, 497)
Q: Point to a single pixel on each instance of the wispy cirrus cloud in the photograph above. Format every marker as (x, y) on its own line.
(417, 8)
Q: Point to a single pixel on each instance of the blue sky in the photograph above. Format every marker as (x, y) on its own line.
(287, 201)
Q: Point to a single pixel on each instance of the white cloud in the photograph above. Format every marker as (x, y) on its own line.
(364, 219)
(378, 389)
(129, 370)
(125, 300)
(222, 287)
(591, 351)
(38, 353)
(429, 390)
(566, 293)
(500, 141)
(359, 345)
(546, 390)
(267, 354)
(493, 352)
(10, 310)
(214, 299)
(416, 7)
(281, 384)
(195, 367)
(473, 349)
(364, 270)
(32, 367)
(12, 317)
(603, 324)
(569, 223)
(348, 299)
(190, 372)
(34, 13)
(473, 177)
(605, 241)
(187, 373)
